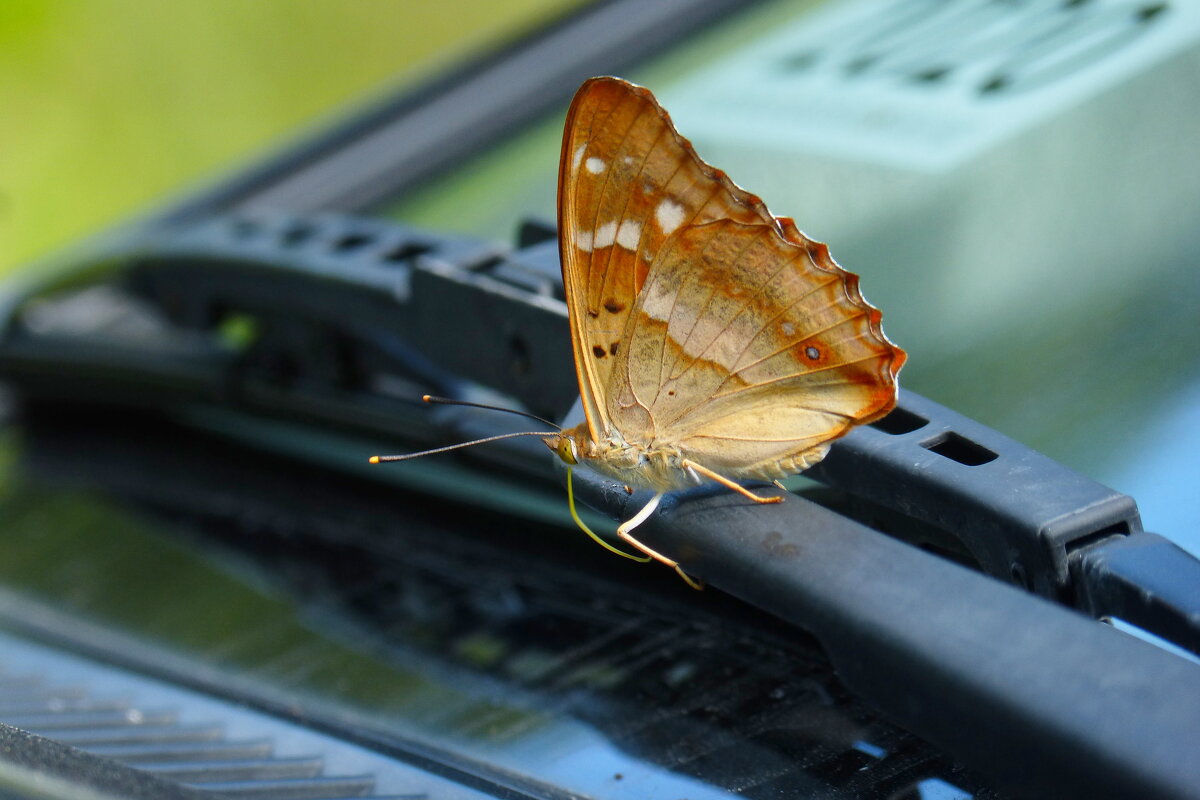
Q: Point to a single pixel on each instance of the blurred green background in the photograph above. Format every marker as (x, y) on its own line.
(107, 106)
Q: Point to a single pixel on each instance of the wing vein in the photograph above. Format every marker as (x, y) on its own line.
(786, 347)
(763, 439)
(729, 323)
(608, 173)
(665, 374)
(790, 376)
(674, 371)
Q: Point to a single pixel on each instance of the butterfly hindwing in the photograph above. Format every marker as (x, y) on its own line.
(749, 350)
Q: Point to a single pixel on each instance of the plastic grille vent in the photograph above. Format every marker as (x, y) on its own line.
(201, 743)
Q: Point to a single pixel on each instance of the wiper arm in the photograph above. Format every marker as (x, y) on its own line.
(1044, 700)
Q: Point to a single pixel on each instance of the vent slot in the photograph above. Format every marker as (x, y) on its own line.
(297, 234)
(404, 253)
(350, 242)
(900, 421)
(959, 448)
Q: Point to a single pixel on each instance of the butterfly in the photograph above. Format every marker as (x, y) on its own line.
(712, 340)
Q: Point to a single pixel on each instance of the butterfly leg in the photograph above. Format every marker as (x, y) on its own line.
(624, 529)
(728, 484)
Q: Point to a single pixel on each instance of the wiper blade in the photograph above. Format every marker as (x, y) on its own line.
(356, 318)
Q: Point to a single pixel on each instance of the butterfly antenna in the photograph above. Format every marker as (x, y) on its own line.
(459, 446)
(446, 401)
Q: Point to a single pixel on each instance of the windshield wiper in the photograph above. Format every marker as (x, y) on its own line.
(333, 320)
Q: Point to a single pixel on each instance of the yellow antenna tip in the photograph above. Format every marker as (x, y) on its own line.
(373, 459)
(425, 398)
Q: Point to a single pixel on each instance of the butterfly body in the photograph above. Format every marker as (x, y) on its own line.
(661, 466)
(643, 465)
(712, 340)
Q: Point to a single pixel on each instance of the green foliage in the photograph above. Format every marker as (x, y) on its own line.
(107, 106)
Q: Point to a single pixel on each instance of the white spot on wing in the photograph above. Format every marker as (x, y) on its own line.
(606, 234)
(629, 234)
(628, 160)
(788, 328)
(594, 165)
(583, 240)
(659, 302)
(577, 157)
(669, 216)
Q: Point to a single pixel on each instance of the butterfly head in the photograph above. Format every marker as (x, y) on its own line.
(564, 447)
(572, 445)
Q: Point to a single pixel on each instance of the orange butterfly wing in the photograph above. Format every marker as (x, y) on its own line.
(751, 352)
(697, 318)
(627, 181)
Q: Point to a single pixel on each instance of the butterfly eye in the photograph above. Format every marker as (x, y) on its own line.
(566, 450)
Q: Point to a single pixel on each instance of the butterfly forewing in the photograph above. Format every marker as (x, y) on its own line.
(627, 182)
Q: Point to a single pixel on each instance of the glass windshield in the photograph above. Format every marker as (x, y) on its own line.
(390, 620)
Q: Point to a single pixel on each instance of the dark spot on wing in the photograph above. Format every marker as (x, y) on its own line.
(612, 348)
(593, 314)
(812, 353)
(598, 351)
(612, 306)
